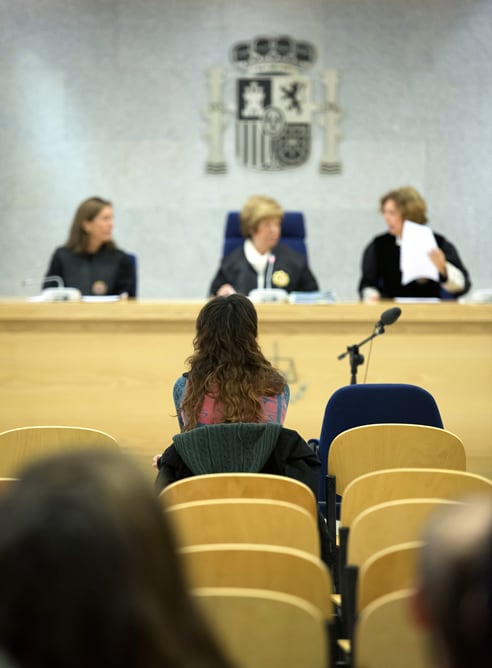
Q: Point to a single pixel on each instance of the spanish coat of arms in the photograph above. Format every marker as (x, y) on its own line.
(274, 108)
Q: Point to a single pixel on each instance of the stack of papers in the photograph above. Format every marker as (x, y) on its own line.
(416, 242)
(316, 297)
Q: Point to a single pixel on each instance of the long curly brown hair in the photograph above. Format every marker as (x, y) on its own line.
(228, 363)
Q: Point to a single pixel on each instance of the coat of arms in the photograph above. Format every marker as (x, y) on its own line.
(274, 107)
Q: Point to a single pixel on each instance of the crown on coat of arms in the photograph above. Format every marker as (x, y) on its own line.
(273, 55)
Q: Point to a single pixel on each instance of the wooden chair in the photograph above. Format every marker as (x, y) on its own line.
(240, 485)
(386, 636)
(245, 521)
(388, 524)
(375, 447)
(382, 446)
(375, 529)
(258, 628)
(255, 566)
(407, 483)
(25, 444)
(386, 571)
(378, 487)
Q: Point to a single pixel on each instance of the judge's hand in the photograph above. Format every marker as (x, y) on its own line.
(225, 290)
(439, 260)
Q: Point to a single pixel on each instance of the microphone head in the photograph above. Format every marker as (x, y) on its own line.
(390, 316)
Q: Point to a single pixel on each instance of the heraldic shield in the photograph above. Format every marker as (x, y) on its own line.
(273, 125)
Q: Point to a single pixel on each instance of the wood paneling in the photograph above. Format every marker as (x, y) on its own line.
(112, 366)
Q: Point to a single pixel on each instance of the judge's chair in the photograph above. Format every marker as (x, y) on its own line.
(293, 232)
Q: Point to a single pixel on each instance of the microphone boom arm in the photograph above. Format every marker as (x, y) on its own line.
(356, 359)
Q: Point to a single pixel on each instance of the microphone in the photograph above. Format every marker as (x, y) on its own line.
(60, 293)
(57, 279)
(389, 317)
(268, 294)
(269, 271)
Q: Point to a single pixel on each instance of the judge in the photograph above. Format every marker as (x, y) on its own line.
(381, 266)
(262, 262)
(90, 259)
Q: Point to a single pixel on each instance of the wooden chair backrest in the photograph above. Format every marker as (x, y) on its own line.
(388, 524)
(258, 628)
(382, 446)
(388, 570)
(260, 521)
(386, 636)
(275, 568)
(406, 483)
(25, 444)
(240, 485)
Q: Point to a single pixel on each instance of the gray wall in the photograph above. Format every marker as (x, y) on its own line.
(105, 97)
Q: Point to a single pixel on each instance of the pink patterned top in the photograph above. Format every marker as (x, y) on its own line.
(274, 407)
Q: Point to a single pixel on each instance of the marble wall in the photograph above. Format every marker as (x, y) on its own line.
(106, 97)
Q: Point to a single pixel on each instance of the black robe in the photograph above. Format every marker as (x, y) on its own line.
(290, 272)
(381, 270)
(112, 267)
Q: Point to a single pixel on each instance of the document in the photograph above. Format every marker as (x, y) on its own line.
(416, 242)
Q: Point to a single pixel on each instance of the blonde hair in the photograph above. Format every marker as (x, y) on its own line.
(255, 209)
(410, 203)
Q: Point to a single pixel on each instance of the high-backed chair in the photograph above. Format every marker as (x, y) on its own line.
(372, 403)
(240, 485)
(25, 444)
(251, 565)
(134, 261)
(293, 232)
(257, 628)
(245, 521)
(386, 636)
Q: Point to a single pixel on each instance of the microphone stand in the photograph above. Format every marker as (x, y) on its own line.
(356, 359)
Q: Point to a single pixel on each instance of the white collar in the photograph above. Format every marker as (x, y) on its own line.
(256, 259)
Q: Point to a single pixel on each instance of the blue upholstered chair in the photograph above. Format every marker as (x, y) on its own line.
(293, 232)
(133, 259)
(357, 405)
(373, 403)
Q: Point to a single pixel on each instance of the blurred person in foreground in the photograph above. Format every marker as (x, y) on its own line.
(453, 600)
(88, 571)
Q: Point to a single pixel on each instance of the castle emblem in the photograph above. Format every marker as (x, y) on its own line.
(274, 108)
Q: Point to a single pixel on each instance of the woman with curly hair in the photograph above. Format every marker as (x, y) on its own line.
(229, 380)
(231, 407)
